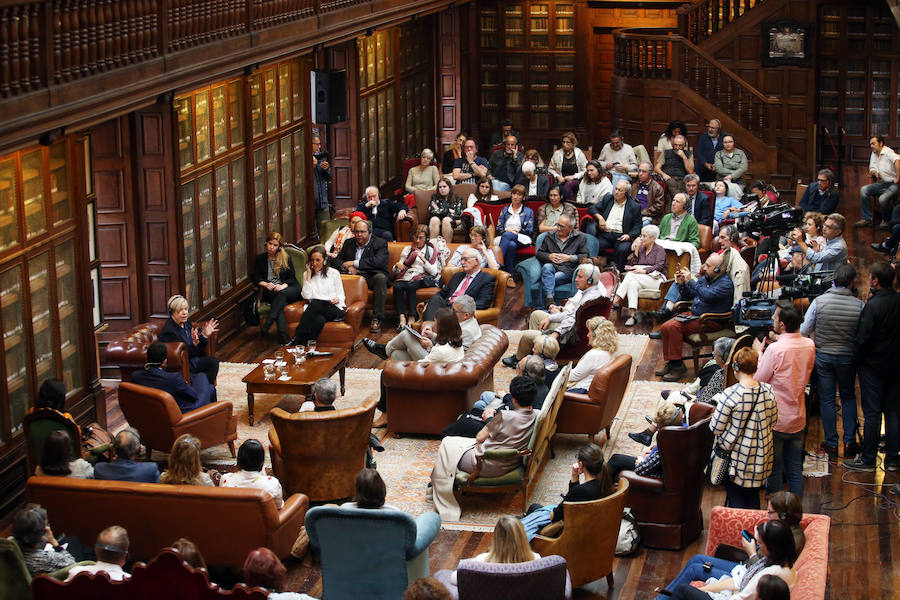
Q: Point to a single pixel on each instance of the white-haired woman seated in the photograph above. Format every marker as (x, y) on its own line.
(423, 176)
(645, 270)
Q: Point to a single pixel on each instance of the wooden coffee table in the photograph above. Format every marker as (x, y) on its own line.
(302, 376)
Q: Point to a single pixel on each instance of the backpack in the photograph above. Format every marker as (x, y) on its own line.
(629, 539)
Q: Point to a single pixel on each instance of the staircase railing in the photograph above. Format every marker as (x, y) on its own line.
(704, 18)
(639, 55)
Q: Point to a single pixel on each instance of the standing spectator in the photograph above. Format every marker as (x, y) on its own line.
(618, 157)
(321, 178)
(567, 165)
(731, 164)
(672, 165)
(743, 420)
(877, 349)
(884, 166)
(821, 196)
(786, 365)
(505, 164)
(469, 167)
(834, 318)
(708, 143)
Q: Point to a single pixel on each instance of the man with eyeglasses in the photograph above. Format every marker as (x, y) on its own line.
(649, 194)
(672, 165)
(367, 255)
(830, 256)
(471, 281)
(559, 254)
(470, 167)
(821, 196)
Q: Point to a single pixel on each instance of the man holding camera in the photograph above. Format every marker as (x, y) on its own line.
(321, 178)
(833, 253)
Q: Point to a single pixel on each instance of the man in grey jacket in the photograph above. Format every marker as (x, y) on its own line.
(559, 254)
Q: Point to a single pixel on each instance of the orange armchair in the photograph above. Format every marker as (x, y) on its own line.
(156, 415)
(595, 411)
(337, 334)
(129, 351)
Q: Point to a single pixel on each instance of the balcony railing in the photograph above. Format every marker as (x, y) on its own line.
(704, 18)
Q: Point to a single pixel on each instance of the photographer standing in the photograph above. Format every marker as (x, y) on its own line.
(321, 177)
(833, 254)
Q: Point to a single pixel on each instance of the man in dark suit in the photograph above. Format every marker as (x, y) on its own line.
(367, 255)
(127, 445)
(471, 281)
(617, 222)
(188, 397)
(382, 213)
(698, 204)
(821, 196)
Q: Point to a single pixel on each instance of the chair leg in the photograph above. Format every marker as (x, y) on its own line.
(696, 353)
(609, 581)
(231, 448)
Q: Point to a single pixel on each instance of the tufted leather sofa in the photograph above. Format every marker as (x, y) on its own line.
(337, 334)
(129, 351)
(595, 411)
(426, 397)
(225, 523)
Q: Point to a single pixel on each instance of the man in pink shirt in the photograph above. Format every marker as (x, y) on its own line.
(787, 365)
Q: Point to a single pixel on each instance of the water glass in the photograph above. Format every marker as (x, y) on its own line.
(311, 346)
(269, 371)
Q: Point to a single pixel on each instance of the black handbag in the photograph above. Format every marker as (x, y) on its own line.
(250, 308)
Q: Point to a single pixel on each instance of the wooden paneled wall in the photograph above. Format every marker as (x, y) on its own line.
(344, 137)
(448, 90)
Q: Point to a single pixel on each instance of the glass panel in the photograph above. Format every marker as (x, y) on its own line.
(370, 60)
(190, 253)
(270, 98)
(14, 344)
(236, 113)
(364, 138)
(382, 139)
(565, 25)
(41, 326)
(204, 216)
(67, 299)
(539, 26)
(259, 195)
(272, 195)
(389, 138)
(61, 201)
(88, 169)
(256, 100)
(9, 231)
(296, 73)
(304, 203)
(223, 229)
(488, 28)
(287, 197)
(185, 132)
(380, 44)
(201, 108)
(33, 193)
(238, 217)
(220, 120)
(284, 94)
(513, 22)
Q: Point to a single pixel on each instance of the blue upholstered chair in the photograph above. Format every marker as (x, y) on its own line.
(370, 553)
(546, 578)
(530, 269)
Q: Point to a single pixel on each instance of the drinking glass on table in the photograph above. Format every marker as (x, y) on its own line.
(311, 346)
(269, 371)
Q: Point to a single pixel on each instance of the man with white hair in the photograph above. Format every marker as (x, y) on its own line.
(382, 213)
(559, 254)
(559, 321)
(472, 280)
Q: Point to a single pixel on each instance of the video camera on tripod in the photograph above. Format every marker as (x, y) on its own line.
(808, 285)
(775, 219)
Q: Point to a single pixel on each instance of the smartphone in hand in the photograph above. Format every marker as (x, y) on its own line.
(747, 535)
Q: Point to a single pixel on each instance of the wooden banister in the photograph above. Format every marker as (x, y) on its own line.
(704, 18)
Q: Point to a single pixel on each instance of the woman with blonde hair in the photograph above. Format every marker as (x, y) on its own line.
(273, 272)
(178, 328)
(509, 545)
(184, 464)
(604, 342)
(667, 415)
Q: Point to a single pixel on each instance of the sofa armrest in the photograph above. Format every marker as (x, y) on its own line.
(290, 519)
(205, 412)
(291, 505)
(353, 315)
(578, 398)
(725, 525)
(501, 453)
(639, 482)
(177, 359)
(427, 526)
(530, 268)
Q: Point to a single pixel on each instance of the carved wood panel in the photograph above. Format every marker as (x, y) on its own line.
(448, 60)
(343, 136)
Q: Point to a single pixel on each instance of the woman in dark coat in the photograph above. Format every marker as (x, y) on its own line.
(274, 273)
(178, 328)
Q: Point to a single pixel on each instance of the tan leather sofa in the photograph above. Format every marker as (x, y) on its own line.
(129, 351)
(225, 523)
(592, 412)
(156, 415)
(320, 453)
(426, 397)
(337, 334)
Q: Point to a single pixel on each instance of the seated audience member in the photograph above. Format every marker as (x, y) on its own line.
(650, 465)
(419, 267)
(762, 195)
(567, 165)
(324, 393)
(673, 129)
(263, 569)
(649, 194)
(111, 550)
(889, 246)
(453, 151)
(712, 293)
(483, 193)
(469, 167)
(678, 225)
(604, 342)
(884, 168)
(52, 395)
(428, 588)
(324, 292)
(821, 196)
(597, 484)
(504, 164)
(772, 587)
(560, 252)
(697, 204)
(731, 164)
(594, 185)
(725, 205)
(178, 328)
(536, 187)
(154, 375)
(672, 165)
(549, 213)
(251, 459)
(618, 157)
(370, 492)
(516, 223)
(777, 556)
(471, 281)
(444, 212)
(334, 243)
(508, 429)
(532, 366)
(32, 533)
(708, 143)
(486, 257)
(509, 544)
(834, 253)
(367, 256)
(57, 460)
(189, 552)
(184, 464)
(381, 213)
(506, 129)
(273, 271)
(559, 321)
(645, 270)
(423, 176)
(127, 447)
(616, 222)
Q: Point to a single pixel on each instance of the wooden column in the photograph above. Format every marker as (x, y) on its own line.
(449, 73)
(343, 138)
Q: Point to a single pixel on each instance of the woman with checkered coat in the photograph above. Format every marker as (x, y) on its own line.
(743, 421)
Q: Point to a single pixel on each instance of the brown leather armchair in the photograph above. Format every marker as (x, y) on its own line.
(595, 411)
(129, 351)
(156, 415)
(337, 334)
(319, 453)
(705, 339)
(668, 509)
(588, 539)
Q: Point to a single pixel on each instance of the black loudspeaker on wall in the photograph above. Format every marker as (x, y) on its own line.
(329, 91)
